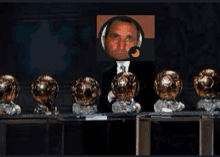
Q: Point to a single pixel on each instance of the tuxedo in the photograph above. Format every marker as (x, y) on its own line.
(145, 72)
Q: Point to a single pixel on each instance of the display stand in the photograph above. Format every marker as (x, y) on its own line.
(143, 127)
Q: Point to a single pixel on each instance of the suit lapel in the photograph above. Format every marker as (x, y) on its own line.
(132, 68)
(112, 72)
(114, 69)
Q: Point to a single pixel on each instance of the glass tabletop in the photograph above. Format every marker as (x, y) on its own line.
(111, 116)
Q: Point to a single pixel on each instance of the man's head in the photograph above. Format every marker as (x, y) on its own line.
(122, 33)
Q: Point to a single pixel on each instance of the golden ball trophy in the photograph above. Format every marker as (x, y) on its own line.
(168, 86)
(9, 89)
(205, 85)
(123, 88)
(44, 91)
(86, 92)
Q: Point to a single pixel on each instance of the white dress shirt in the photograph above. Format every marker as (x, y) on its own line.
(122, 63)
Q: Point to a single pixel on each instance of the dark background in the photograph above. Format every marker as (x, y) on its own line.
(60, 40)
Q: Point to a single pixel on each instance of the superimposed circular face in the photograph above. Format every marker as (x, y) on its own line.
(204, 83)
(120, 38)
(125, 86)
(168, 85)
(86, 91)
(9, 88)
(44, 89)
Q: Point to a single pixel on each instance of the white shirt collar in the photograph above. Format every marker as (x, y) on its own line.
(120, 63)
(125, 63)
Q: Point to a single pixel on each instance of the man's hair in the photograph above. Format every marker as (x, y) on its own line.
(124, 19)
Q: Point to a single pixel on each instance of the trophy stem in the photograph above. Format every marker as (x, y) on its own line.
(9, 108)
(208, 104)
(168, 106)
(126, 106)
(80, 109)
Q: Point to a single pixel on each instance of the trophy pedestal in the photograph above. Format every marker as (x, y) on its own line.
(80, 109)
(43, 109)
(208, 104)
(125, 107)
(168, 106)
(9, 109)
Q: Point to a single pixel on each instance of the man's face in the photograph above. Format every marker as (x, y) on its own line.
(121, 37)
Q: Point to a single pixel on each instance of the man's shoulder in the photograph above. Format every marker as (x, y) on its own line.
(110, 69)
(143, 64)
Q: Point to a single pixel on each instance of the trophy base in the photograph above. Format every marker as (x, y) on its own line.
(9, 109)
(126, 107)
(43, 109)
(79, 109)
(208, 104)
(168, 106)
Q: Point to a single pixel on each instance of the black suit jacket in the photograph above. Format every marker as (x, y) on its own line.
(145, 72)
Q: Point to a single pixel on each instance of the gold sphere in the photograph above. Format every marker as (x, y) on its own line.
(168, 85)
(86, 91)
(125, 86)
(9, 88)
(204, 83)
(44, 89)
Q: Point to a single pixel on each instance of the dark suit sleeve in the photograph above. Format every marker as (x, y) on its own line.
(146, 96)
(154, 95)
(103, 105)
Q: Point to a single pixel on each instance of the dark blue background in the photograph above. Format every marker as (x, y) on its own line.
(186, 39)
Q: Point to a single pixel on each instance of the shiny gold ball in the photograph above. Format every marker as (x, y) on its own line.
(86, 91)
(9, 88)
(168, 85)
(44, 89)
(204, 83)
(125, 86)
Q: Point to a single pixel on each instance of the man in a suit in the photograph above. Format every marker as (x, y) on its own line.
(144, 71)
(121, 35)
